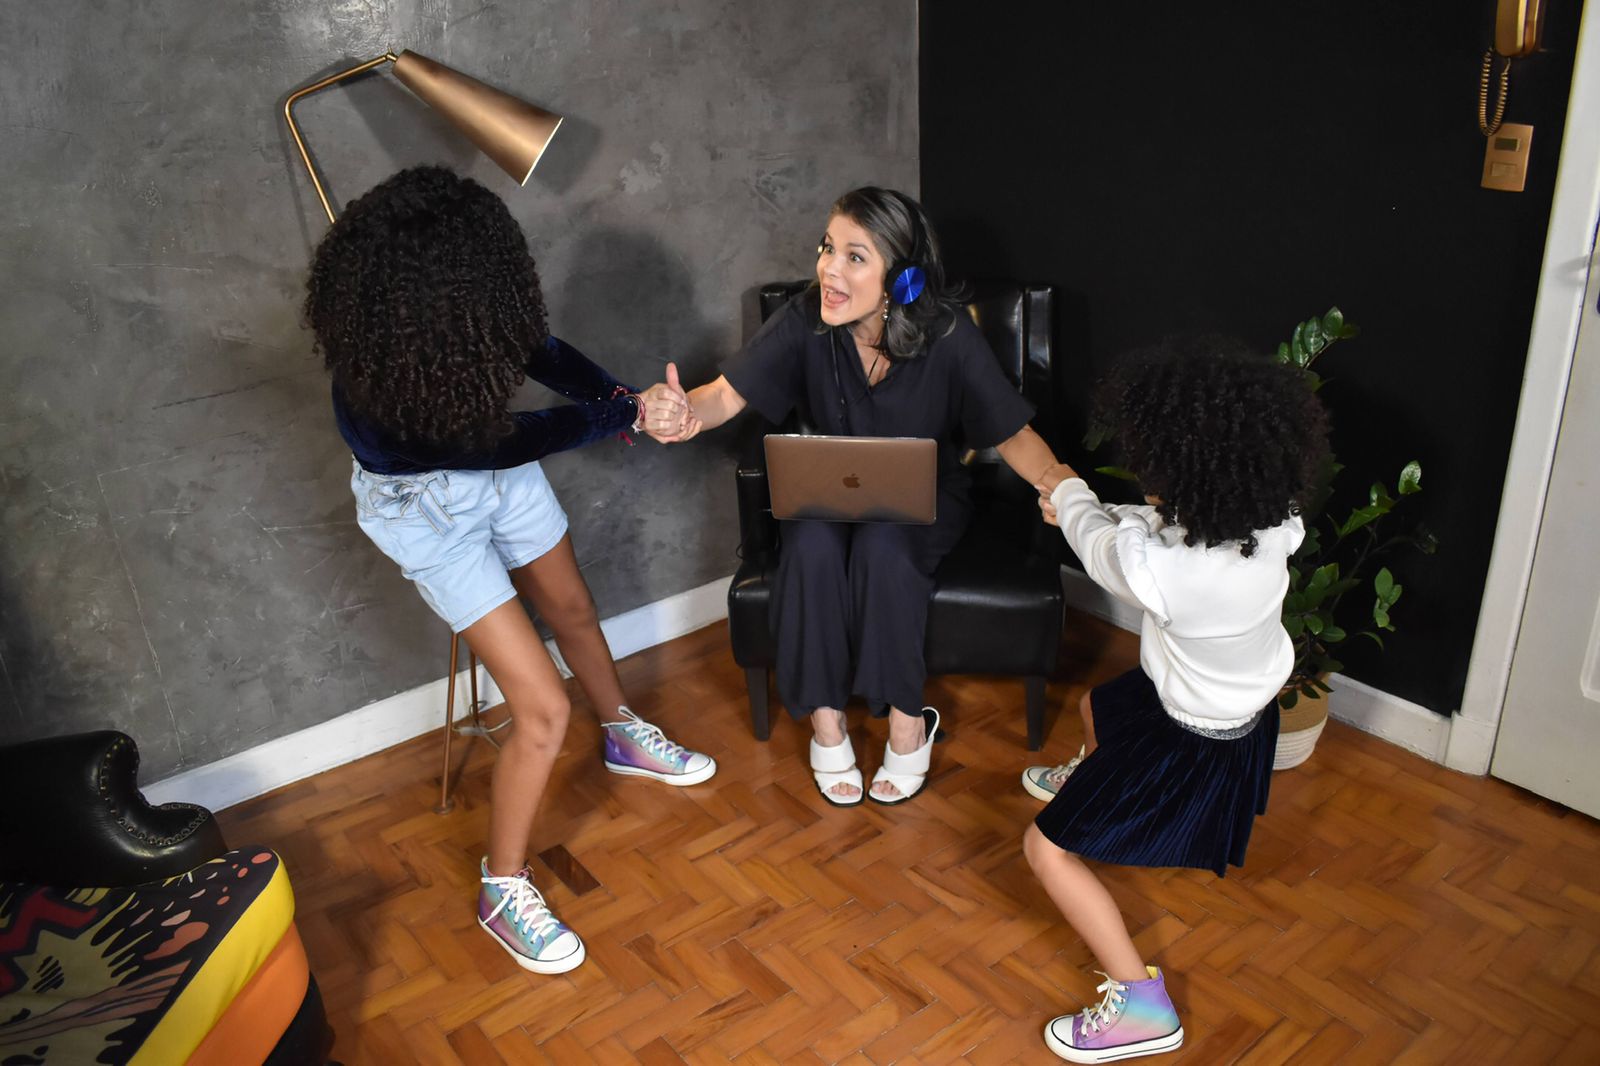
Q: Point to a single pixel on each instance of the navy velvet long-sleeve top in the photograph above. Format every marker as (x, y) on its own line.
(602, 407)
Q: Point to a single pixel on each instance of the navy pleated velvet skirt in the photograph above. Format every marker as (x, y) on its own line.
(1157, 793)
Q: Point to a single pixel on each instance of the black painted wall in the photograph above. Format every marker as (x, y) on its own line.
(1179, 166)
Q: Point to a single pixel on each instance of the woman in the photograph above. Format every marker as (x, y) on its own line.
(427, 310)
(879, 346)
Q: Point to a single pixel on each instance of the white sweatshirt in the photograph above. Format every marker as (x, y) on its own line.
(1212, 639)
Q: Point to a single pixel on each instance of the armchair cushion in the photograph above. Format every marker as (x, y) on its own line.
(107, 975)
(128, 933)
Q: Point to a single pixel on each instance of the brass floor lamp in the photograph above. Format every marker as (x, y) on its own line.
(514, 134)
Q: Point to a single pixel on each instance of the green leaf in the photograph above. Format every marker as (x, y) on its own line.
(1314, 623)
(1361, 516)
(1349, 331)
(1331, 634)
(1383, 583)
(1288, 699)
(1325, 576)
(1121, 473)
(1331, 666)
(1370, 635)
(1339, 588)
(1410, 478)
(1315, 340)
(1381, 618)
(1283, 352)
(1297, 345)
(1295, 626)
(1333, 322)
(1312, 379)
(1322, 686)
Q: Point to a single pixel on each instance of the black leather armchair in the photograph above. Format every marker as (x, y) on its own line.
(997, 603)
(71, 813)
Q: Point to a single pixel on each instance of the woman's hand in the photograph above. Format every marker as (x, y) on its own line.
(668, 416)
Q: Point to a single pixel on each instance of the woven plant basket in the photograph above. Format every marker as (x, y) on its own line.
(1298, 730)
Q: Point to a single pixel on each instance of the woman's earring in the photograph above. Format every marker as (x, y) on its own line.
(886, 308)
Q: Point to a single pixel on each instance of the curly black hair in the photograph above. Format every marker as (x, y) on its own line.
(426, 307)
(1228, 441)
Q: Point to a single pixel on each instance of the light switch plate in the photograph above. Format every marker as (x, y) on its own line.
(1505, 158)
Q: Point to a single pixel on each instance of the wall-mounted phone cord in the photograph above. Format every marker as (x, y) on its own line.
(1484, 124)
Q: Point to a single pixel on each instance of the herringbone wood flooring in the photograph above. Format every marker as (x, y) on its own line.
(1391, 911)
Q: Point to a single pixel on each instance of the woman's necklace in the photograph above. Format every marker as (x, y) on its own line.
(876, 359)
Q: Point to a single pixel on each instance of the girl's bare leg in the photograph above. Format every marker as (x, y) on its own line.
(1086, 905)
(537, 700)
(554, 585)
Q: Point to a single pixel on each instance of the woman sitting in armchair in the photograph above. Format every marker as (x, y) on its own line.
(879, 346)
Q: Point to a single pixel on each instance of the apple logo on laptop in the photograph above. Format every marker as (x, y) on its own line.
(852, 482)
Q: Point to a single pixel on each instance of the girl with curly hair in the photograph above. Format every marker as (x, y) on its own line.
(427, 309)
(1178, 752)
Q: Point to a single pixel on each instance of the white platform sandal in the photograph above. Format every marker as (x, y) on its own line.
(836, 766)
(907, 773)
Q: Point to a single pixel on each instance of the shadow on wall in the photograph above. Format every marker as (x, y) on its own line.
(628, 301)
(576, 142)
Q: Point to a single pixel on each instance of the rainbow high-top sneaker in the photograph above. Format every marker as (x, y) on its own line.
(512, 911)
(639, 749)
(1132, 1019)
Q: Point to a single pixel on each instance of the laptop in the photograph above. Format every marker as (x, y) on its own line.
(853, 479)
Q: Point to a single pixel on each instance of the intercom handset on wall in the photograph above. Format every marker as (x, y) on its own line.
(1516, 34)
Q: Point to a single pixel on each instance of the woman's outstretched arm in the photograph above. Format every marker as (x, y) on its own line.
(1026, 453)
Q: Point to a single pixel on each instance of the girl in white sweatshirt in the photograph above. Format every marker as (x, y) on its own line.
(1178, 752)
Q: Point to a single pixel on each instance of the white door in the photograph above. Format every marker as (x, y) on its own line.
(1549, 740)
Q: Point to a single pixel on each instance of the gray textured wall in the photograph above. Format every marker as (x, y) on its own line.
(177, 552)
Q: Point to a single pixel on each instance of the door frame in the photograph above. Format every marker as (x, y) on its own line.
(1558, 310)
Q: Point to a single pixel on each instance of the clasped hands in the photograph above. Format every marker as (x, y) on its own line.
(1046, 483)
(668, 416)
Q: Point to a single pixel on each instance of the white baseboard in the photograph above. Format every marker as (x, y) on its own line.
(1388, 717)
(401, 717)
(1384, 715)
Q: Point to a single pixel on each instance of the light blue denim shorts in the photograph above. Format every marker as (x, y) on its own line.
(455, 533)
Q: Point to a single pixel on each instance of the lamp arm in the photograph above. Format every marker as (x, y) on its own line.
(294, 130)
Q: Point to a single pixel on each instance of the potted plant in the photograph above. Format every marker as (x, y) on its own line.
(1325, 606)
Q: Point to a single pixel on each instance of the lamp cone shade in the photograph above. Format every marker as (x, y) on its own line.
(509, 131)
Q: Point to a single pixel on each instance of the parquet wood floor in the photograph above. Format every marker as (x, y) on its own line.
(1391, 911)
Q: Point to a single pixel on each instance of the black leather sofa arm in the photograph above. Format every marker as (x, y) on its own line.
(758, 530)
(71, 814)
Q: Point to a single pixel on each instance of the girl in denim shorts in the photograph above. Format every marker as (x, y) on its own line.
(427, 309)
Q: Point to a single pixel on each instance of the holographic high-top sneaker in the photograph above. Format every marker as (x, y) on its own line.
(1131, 1020)
(1043, 782)
(639, 749)
(512, 911)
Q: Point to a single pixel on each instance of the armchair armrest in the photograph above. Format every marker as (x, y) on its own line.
(758, 530)
(71, 814)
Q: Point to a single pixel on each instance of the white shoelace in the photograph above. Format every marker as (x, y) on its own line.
(1058, 776)
(526, 904)
(1105, 1012)
(648, 736)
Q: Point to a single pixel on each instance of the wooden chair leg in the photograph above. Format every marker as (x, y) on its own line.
(755, 679)
(1035, 687)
